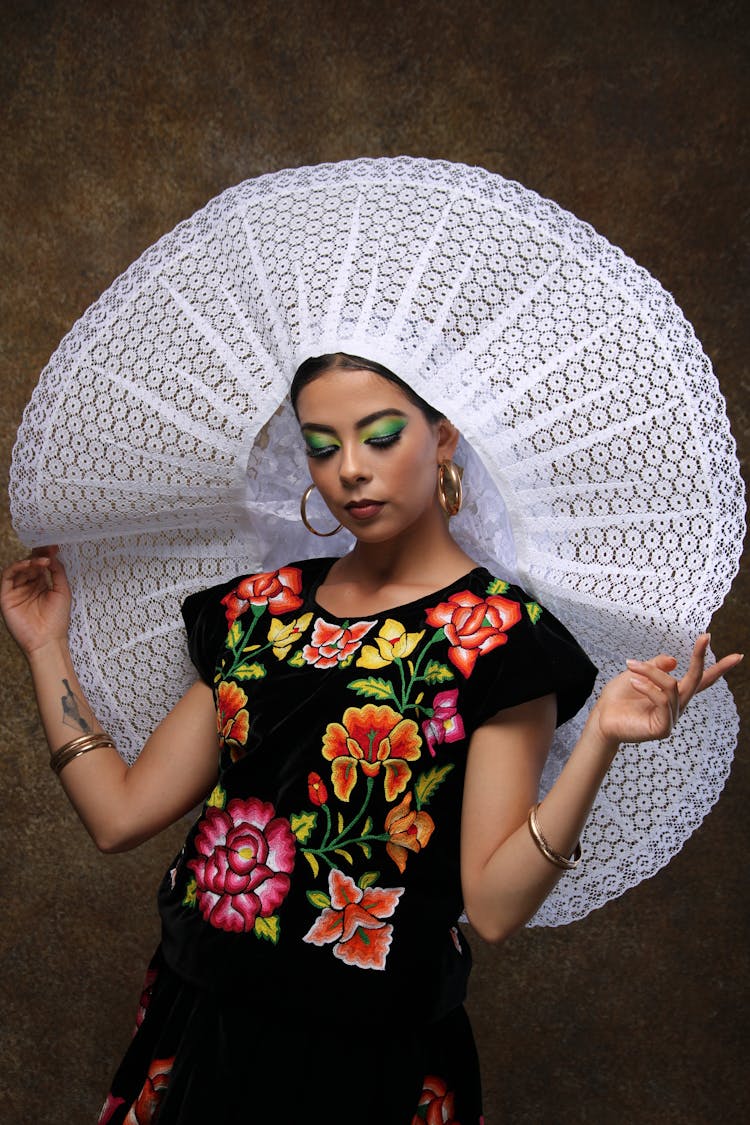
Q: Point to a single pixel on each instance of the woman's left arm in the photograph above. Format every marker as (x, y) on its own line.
(505, 875)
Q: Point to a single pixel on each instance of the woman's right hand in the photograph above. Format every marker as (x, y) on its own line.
(35, 600)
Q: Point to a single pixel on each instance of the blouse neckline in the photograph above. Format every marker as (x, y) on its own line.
(397, 610)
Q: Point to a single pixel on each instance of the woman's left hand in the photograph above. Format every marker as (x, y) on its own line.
(645, 702)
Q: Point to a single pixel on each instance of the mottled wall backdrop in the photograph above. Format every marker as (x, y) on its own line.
(120, 119)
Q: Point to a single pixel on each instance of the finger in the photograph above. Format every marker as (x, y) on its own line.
(661, 702)
(719, 669)
(652, 670)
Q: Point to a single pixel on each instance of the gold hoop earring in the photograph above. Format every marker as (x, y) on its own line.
(450, 490)
(303, 512)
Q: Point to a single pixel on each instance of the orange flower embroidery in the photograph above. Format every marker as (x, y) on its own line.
(354, 924)
(371, 738)
(409, 831)
(232, 718)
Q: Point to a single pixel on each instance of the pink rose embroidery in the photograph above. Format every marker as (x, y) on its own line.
(246, 855)
(330, 644)
(446, 725)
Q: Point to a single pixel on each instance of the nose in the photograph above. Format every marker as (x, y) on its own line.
(353, 464)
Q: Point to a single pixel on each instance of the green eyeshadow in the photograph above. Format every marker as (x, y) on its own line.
(384, 427)
(317, 440)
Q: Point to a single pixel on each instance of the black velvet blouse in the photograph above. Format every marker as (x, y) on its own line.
(325, 863)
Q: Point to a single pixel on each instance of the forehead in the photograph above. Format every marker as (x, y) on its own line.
(345, 393)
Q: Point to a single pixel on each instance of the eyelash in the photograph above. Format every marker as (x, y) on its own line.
(379, 442)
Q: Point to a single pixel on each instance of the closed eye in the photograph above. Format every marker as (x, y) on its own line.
(321, 451)
(383, 440)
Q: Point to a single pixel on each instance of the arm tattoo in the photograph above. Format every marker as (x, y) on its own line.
(71, 709)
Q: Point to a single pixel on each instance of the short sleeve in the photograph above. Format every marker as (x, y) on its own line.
(539, 658)
(206, 627)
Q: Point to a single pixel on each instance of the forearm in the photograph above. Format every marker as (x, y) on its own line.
(517, 877)
(95, 782)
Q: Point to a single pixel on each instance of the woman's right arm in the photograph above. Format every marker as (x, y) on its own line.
(120, 806)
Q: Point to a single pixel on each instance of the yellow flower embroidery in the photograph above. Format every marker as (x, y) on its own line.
(283, 637)
(393, 643)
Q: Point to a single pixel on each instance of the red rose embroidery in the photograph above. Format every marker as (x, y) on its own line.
(276, 589)
(473, 626)
(145, 1107)
(246, 855)
(111, 1104)
(330, 644)
(436, 1104)
(353, 922)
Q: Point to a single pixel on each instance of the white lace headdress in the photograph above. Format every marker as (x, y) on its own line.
(160, 450)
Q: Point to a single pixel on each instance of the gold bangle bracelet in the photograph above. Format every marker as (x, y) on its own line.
(76, 747)
(549, 853)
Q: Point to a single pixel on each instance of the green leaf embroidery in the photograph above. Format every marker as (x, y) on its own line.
(374, 687)
(365, 848)
(368, 879)
(428, 782)
(319, 899)
(437, 673)
(343, 852)
(311, 859)
(297, 661)
(368, 827)
(346, 661)
(534, 611)
(250, 672)
(302, 825)
(190, 895)
(268, 928)
(218, 798)
(497, 586)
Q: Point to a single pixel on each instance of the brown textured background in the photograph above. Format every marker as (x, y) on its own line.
(120, 119)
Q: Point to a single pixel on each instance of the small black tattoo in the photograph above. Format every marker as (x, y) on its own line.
(71, 707)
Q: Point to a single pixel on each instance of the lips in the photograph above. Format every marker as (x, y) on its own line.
(364, 509)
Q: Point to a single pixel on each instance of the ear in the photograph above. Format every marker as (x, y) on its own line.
(448, 436)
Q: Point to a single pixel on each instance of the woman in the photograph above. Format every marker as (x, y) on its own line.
(383, 721)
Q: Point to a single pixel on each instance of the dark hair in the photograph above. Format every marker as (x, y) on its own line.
(311, 368)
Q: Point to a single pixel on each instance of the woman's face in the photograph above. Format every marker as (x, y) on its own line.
(373, 455)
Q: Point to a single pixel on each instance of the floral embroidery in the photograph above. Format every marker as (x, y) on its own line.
(473, 626)
(392, 643)
(144, 1109)
(283, 637)
(246, 855)
(408, 831)
(446, 725)
(436, 1103)
(370, 738)
(278, 590)
(353, 921)
(148, 988)
(316, 789)
(105, 1113)
(332, 644)
(233, 720)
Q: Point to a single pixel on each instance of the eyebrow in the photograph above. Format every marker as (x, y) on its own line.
(366, 421)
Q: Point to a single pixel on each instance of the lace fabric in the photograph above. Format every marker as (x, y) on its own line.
(159, 448)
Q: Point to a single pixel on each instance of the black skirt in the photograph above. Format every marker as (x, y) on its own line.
(199, 1059)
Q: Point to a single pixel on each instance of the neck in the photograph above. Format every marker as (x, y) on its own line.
(425, 553)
